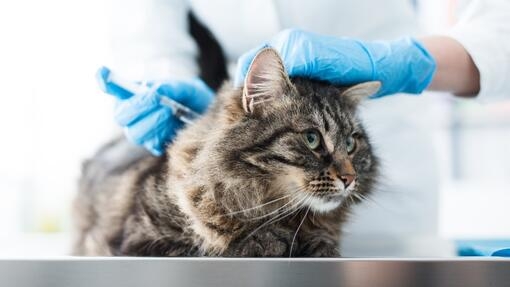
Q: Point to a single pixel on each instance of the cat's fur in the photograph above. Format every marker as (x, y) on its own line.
(240, 181)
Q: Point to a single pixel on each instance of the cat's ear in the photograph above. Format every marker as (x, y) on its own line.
(362, 91)
(265, 81)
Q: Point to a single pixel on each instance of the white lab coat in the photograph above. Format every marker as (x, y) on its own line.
(484, 31)
(150, 42)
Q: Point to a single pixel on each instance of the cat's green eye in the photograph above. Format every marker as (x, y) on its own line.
(351, 144)
(312, 139)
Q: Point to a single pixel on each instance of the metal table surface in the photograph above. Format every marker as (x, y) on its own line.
(184, 272)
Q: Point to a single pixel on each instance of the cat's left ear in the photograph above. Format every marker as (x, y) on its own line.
(362, 91)
(265, 81)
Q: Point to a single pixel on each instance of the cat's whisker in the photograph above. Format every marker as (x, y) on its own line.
(359, 196)
(288, 211)
(356, 196)
(294, 193)
(370, 200)
(279, 217)
(274, 219)
(351, 199)
(297, 230)
(313, 216)
(258, 206)
(301, 205)
(363, 197)
(277, 210)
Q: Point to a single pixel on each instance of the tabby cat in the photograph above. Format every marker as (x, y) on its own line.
(270, 170)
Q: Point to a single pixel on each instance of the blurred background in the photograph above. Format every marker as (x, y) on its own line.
(53, 116)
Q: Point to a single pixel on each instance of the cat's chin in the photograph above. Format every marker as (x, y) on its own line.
(325, 204)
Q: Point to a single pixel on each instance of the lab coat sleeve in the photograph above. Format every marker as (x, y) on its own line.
(484, 31)
(150, 39)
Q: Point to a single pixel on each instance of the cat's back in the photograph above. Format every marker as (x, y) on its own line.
(122, 183)
(106, 193)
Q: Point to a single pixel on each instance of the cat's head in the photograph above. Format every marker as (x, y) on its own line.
(302, 136)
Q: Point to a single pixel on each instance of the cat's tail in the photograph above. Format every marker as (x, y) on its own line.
(211, 59)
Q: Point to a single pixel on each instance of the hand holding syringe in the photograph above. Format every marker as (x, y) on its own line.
(111, 83)
(151, 115)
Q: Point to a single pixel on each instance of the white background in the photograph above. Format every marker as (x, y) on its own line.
(52, 116)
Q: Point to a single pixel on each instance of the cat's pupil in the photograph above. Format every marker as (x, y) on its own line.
(312, 139)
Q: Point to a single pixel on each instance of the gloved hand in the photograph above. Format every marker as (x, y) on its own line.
(148, 123)
(401, 66)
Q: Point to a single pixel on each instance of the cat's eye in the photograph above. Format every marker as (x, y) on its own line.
(351, 144)
(312, 139)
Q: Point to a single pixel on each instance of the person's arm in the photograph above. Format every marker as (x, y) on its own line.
(455, 70)
(483, 30)
(472, 59)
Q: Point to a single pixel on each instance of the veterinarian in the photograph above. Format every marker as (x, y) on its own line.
(343, 42)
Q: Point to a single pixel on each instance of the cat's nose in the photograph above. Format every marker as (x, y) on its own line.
(347, 179)
(345, 172)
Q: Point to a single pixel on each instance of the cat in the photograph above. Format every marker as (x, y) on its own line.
(271, 169)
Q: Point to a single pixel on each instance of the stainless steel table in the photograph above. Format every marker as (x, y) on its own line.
(184, 272)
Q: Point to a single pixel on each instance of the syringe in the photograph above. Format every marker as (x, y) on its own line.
(112, 84)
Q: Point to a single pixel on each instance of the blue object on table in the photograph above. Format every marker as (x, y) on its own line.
(499, 248)
(502, 252)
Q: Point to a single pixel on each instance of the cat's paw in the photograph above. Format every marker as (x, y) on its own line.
(318, 249)
(261, 244)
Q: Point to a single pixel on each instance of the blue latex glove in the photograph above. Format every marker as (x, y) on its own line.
(148, 123)
(401, 66)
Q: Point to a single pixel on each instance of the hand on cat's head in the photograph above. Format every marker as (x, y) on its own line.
(403, 65)
(267, 79)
